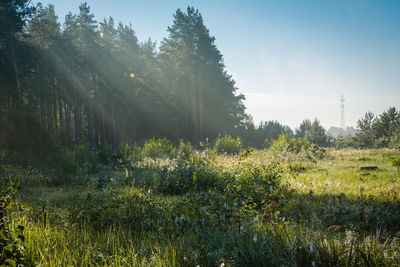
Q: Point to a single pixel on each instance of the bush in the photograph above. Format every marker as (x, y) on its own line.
(158, 148)
(175, 177)
(287, 144)
(104, 154)
(396, 163)
(102, 209)
(66, 163)
(255, 185)
(299, 148)
(184, 151)
(11, 235)
(227, 144)
(63, 162)
(131, 153)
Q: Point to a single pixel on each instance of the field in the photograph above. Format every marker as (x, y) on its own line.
(259, 208)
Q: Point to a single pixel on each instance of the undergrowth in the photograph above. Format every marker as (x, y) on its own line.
(182, 207)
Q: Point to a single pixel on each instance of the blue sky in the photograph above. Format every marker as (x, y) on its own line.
(291, 59)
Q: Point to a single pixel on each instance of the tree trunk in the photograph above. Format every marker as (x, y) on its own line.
(89, 115)
(54, 101)
(114, 127)
(16, 75)
(60, 114)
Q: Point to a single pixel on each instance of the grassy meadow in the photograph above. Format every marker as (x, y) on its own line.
(192, 208)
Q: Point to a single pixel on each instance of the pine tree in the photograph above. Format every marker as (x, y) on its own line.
(197, 77)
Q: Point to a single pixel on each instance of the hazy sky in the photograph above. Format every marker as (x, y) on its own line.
(292, 59)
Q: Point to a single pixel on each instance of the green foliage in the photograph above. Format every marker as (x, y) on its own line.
(396, 163)
(184, 151)
(379, 131)
(158, 148)
(11, 236)
(220, 209)
(395, 140)
(104, 154)
(102, 210)
(292, 148)
(255, 186)
(176, 177)
(345, 141)
(313, 132)
(261, 135)
(66, 163)
(287, 144)
(107, 87)
(131, 153)
(227, 144)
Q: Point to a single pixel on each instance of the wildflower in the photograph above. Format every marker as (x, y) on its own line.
(255, 238)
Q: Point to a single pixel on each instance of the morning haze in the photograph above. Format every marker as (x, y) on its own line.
(199, 133)
(291, 59)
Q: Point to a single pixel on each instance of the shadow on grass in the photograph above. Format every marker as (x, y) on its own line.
(330, 210)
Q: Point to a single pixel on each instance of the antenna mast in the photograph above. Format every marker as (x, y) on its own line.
(342, 112)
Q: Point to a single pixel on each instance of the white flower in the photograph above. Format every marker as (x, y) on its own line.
(255, 238)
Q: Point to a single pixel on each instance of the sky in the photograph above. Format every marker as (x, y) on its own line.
(291, 59)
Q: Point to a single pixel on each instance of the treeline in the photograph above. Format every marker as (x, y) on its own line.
(375, 131)
(95, 83)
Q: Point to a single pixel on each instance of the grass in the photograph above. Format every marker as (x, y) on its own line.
(339, 173)
(325, 213)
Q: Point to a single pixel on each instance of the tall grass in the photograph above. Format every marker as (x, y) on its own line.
(193, 208)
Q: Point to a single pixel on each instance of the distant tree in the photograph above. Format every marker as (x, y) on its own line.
(303, 129)
(336, 131)
(313, 132)
(385, 126)
(365, 135)
(318, 135)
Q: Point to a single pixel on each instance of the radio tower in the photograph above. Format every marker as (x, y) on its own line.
(342, 112)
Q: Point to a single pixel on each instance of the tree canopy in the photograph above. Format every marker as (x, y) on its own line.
(95, 83)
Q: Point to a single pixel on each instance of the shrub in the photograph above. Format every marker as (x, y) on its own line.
(101, 209)
(184, 151)
(175, 177)
(131, 153)
(11, 236)
(66, 163)
(104, 154)
(63, 162)
(395, 140)
(396, 163)
(158, 148)
(255, 185)
(86, 159)
(227, 144)
(287, 144)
